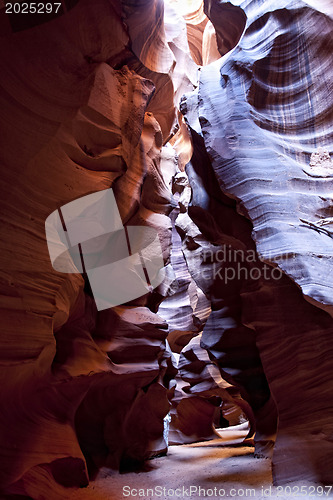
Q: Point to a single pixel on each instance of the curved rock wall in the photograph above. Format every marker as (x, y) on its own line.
(264, 110)
(89, 101)
(80, 388)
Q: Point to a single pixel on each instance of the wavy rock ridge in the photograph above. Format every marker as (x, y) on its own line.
(264, 109)
(75, 395)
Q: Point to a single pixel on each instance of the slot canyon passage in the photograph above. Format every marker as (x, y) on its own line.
(210, 125)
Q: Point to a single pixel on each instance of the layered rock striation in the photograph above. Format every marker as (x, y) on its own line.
(80, 388)
(90, 101)
(263, 110)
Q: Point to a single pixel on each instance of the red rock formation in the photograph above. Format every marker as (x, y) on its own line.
(196, 21)
(73, 397)
(263, 110)
(202, 397)
(89, 97)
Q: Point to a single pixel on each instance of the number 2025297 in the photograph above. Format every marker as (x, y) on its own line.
(32, 8)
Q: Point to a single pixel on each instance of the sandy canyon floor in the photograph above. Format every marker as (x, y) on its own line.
(223, 468)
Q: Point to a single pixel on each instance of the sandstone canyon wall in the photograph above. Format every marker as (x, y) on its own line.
(265, 117)
(124, 95)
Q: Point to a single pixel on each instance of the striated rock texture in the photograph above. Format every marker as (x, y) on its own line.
(264, 110)
(202, 396)
(203, 400)
(214, 248)
(201, 34)
(79, 388)
(90, 100)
